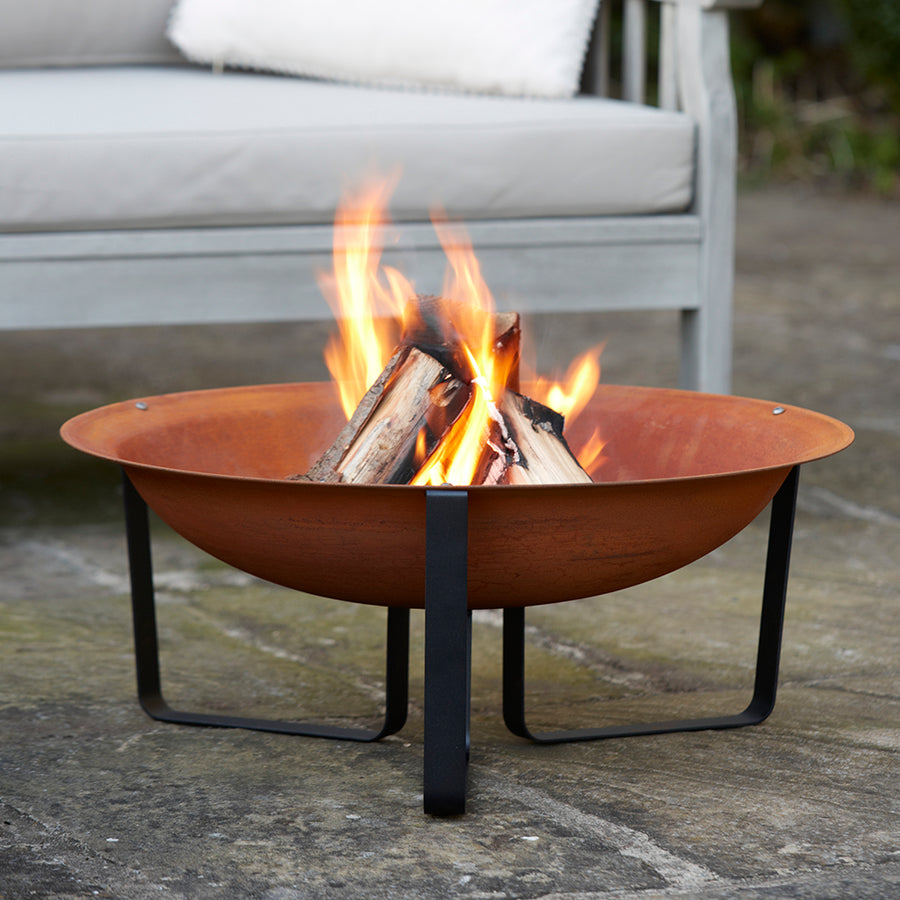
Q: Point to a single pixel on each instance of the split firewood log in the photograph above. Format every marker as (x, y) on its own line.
(431, 324)
(526, 446)
(403, 418)
(400, 419)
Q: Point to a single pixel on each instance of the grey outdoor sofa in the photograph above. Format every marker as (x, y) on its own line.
(137, 189)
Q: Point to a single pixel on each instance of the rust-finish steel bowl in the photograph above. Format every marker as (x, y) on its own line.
(684, 473)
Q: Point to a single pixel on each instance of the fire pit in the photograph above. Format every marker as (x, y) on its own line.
(684, 472)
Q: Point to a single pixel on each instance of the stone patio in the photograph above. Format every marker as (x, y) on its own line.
(98, 800)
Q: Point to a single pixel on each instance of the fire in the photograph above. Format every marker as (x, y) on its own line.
(369, 301)
(570, 396)
(590, 453)
(456, 459)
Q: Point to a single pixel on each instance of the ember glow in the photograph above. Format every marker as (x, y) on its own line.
(369, 301)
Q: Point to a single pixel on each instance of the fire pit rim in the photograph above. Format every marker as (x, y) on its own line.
(842, 438)
(350, 545)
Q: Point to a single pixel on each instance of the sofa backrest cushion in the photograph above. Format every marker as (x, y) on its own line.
(84, 32)
(518, 47)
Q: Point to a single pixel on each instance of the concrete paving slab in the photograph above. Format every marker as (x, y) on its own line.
(98, 800)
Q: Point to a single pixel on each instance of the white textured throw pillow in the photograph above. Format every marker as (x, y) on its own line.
(519, 47)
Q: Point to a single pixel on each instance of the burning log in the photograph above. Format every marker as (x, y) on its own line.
(414, 395)
(402, 428)
(415, 399)
(429, 323)
(526, 446)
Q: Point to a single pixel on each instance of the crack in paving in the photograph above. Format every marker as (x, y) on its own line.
(604, 667)
(675, 871)
(821, 501)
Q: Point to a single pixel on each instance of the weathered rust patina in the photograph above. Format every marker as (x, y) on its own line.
(684, 472)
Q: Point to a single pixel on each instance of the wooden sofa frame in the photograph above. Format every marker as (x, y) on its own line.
(683, 262)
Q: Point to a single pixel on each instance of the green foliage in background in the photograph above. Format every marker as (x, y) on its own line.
(874, 42)
(818, 86)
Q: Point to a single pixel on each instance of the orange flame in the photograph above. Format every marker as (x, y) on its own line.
(570, 396)
(369, 301)
(366, 308)
(455, 460)
(590, 453)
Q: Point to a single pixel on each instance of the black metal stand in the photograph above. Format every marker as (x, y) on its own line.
(448, 634)
(767, 658)
(448, 651)
(146, 650)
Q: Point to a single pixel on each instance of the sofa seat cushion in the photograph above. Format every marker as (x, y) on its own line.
(146, 147)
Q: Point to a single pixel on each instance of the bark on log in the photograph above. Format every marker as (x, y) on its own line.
(526, 446)
(415, 394)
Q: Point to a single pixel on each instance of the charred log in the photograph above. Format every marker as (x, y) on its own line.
(401, 418)
(431, 325)
(526, 446)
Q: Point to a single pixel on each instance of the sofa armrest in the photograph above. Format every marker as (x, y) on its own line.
(694, 76)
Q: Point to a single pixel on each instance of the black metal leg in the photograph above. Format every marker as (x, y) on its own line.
(448, 635)
(448, 643)
(147, 650)
(768, 653)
